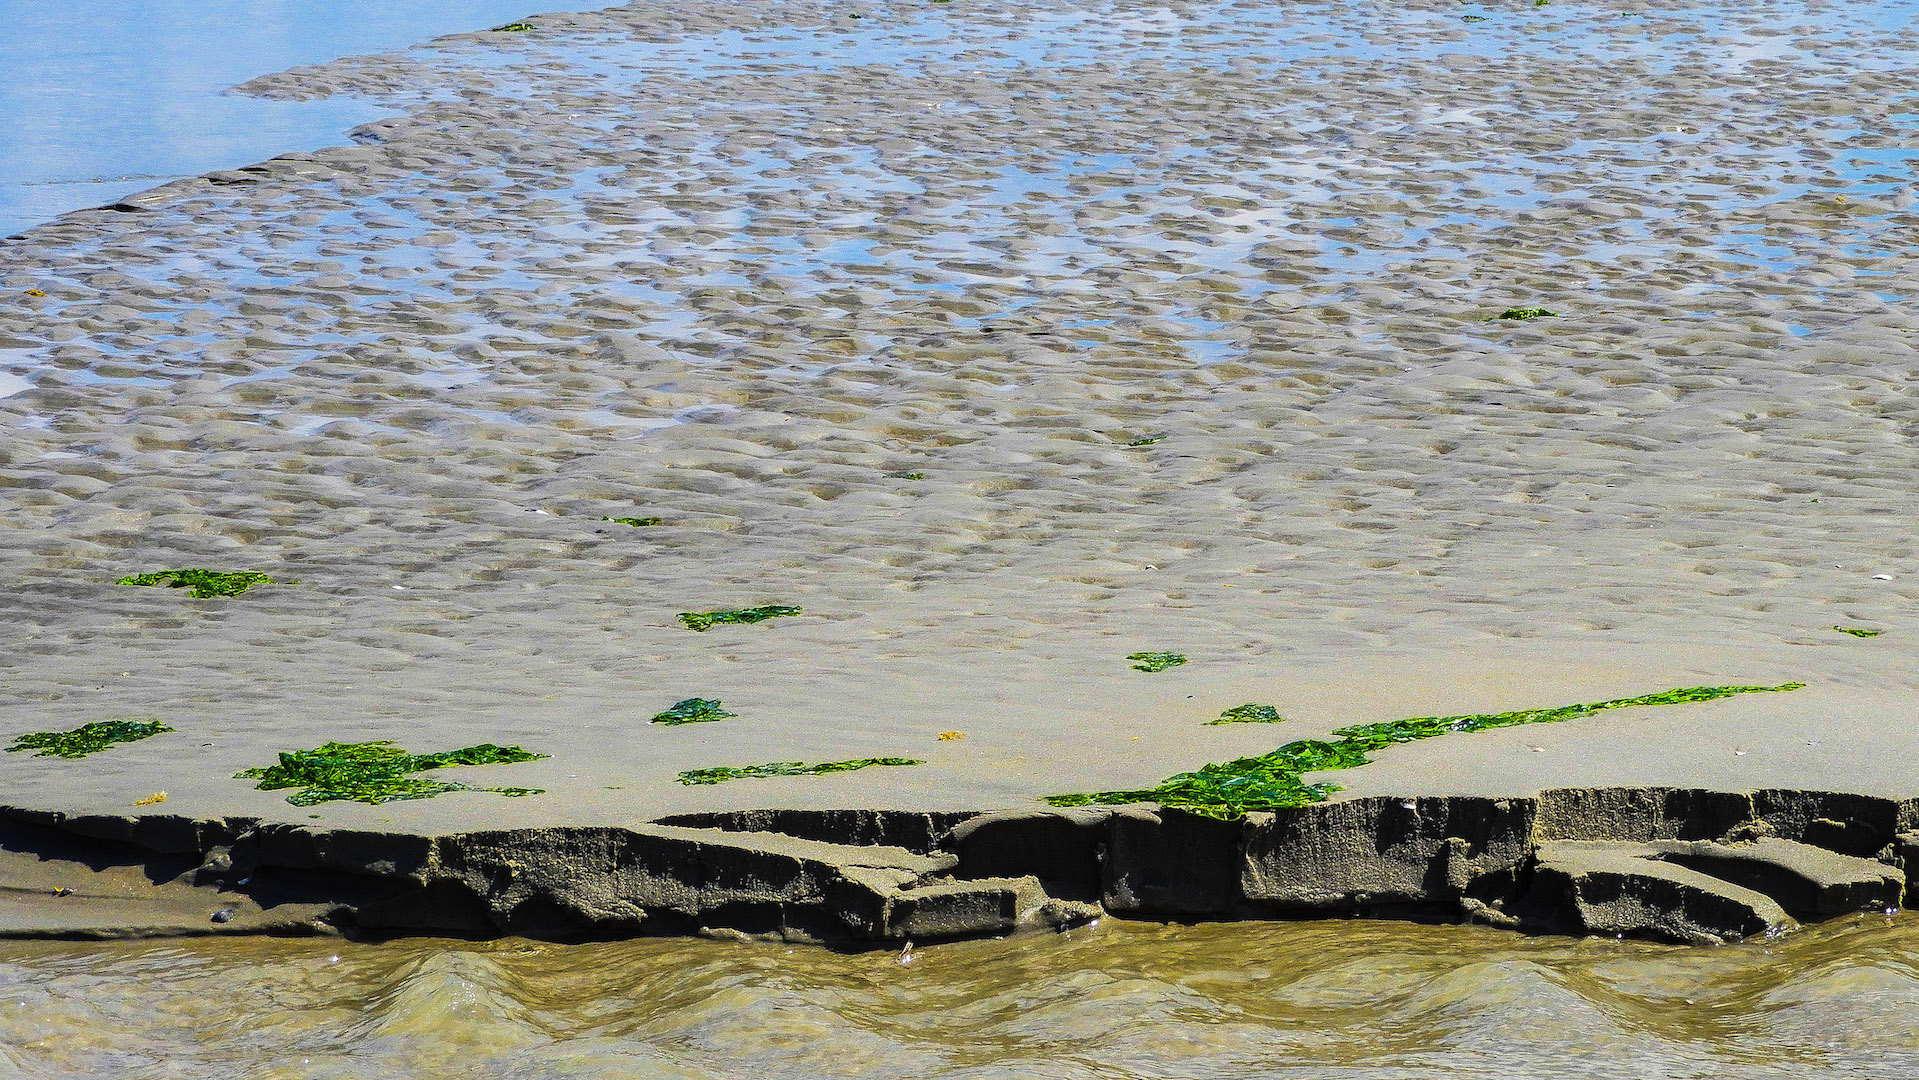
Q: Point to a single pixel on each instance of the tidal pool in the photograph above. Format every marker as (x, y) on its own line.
(104, 98)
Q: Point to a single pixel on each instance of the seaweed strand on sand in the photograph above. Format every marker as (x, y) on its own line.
(376, 772)
(786, 768)
(88, 738)
(702, 621)
(206, 584)
(693, 710)
(1272, 781)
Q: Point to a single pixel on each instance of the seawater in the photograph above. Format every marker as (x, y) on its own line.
(103, 98)
(1321, 1000)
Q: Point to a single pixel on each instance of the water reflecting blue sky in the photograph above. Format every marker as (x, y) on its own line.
(103, 98)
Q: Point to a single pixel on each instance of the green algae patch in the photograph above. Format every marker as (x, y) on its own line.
(513, 28)
(638, 523)
(1272, 781)
(1858, 631)
(377, 772)
(702, 621)
(1155, 661)
(786, 768)
(87, 738)
(1249, 714)
(1147, 441)
(694, 710)
(206, 584)
(1527, 313)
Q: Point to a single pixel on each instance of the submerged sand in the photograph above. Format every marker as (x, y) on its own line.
(1006, 341)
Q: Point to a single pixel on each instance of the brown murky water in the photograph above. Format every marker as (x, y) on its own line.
(1309, 999)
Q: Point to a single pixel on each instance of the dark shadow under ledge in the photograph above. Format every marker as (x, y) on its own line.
(1671, 864)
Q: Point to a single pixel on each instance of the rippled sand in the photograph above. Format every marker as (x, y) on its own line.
(1318, 999)
(747, 268)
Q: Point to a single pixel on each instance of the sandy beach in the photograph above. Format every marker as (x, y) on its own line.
(1005, 342)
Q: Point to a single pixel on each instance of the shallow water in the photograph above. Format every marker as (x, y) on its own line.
(1303, 152)
(1311, 999)
(103, 98)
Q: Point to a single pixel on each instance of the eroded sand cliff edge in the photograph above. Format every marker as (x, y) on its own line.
(1673, 864)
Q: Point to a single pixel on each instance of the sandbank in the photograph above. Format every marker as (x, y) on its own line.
(1005, 343)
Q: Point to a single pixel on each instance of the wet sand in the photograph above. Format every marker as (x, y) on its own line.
(1184, 318)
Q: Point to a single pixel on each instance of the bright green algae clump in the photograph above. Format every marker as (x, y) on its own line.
(702, 621)
(206, 584)
(1249, 714)
(786, 768)
(1527, 313)
(1272, 781)
(1858, 631)
(637, 523)
(87, 738)
(694, 710)
(1155, 661)
(376, 772)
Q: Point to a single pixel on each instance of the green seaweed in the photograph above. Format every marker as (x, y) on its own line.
(1147, 441)
(376, 772)
(1272, 781)
(702, 621)
(633, 521)
(87, 738)
(1250, 714)
(1155, 661)
(694, 710)
(206, 584)
(786, 768)
(1527, 313)
(1858, 631)
(513, 28)
(906, 476)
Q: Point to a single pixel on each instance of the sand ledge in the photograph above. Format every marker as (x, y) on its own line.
(1673, 864)
(1193, 345)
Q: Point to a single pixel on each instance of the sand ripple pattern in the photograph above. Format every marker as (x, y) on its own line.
(743, 266)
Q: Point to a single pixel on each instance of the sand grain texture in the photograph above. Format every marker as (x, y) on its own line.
(747, 268)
